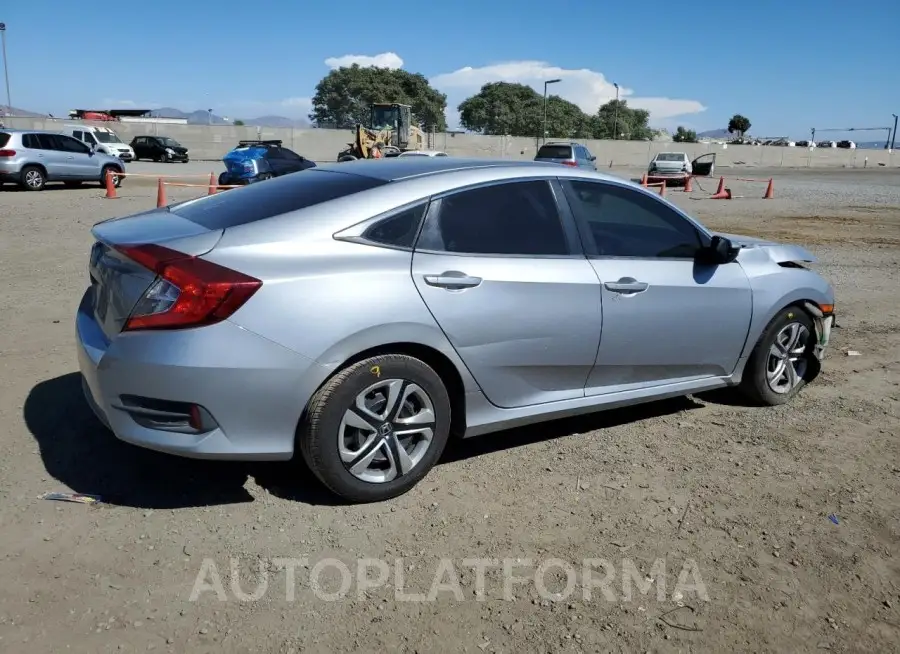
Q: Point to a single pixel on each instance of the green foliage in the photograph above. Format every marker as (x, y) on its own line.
(739, 124)
(616, 119)
(518, 110)
(239, 123)
(343, 97)
(683, 135)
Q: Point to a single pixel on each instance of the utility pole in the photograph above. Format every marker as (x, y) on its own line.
(5, 67)
(616, 114)
(894, 137)
(544, 122)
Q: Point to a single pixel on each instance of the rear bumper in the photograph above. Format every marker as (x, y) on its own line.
(656, 177)
(254, 389)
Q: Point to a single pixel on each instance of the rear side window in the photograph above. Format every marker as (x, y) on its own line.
(273, 198)
(555, 152)
(398, 230)
(517, 218)
(4, 139)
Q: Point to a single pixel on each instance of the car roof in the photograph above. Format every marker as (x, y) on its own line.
(395, 169)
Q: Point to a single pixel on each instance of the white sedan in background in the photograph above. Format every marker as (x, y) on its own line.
(423, 153)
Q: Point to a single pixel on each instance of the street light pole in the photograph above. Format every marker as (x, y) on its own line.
(616, 114)
(544, 122)
(894, 137)
(5, 67)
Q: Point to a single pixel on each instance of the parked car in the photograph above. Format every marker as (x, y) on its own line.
(31, 159)
(159, 148)
(104, 139)
(677, 166)
(567, 154)
(257, 161)
(362, 313)
(423, 153)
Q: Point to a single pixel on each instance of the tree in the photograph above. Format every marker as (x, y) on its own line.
(616, 119)
(518, 110)
(740, 124)
(683, 135)
(239, 123)
(344, 96)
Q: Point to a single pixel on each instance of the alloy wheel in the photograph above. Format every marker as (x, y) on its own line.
(34, 179)
(787, 363)
(387, 431)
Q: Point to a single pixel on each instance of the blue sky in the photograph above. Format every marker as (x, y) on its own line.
(788, 66)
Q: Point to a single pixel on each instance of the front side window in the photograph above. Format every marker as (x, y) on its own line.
(623, 222)
(69, 144)
(515, 218)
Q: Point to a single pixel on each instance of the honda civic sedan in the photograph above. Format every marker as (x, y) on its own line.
(363, 313)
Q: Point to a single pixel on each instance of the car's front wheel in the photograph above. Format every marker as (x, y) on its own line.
(376, 428)
(783, 360)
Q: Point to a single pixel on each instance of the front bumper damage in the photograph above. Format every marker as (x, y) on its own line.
(823, 325)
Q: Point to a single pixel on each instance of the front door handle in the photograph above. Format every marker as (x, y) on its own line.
(626, 285)
(71, 157)
(452, 280)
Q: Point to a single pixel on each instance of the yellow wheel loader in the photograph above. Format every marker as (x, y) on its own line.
(391, 132)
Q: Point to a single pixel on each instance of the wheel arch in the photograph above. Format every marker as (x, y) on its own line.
(40, 167)
(445, 368)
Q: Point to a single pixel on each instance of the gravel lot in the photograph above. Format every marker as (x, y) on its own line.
(744, 493)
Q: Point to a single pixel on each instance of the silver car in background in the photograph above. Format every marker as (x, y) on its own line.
(361, 313)
(32, 158)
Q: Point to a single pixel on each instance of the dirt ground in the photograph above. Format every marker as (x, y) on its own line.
(787, 519)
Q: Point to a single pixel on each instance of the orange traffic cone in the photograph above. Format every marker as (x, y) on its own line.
(724, 195)
(721, 188)
(644, 180)
(770, 190)
(160, 193)
(662, 188)
(110, 187)
(688, 185)
(212, 184)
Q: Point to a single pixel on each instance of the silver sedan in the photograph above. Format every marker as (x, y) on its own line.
(362, 313)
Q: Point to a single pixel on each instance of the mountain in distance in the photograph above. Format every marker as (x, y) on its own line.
(6, 110)
(202, 117)
(714, 134)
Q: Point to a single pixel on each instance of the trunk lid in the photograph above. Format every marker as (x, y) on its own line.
(117, 282)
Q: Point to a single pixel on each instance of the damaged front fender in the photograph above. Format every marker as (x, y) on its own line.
(823, 325)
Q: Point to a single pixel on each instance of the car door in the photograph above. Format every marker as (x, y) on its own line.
(58, 161)
(81, 163)
(666, 317)
(704, 165)
(508, 283)
(590, 159)
(45, 154)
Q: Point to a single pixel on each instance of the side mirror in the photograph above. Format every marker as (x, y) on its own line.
(593, 158)
(720, 250)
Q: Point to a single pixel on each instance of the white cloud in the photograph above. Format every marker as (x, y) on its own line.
(586, 88)
(383, 60)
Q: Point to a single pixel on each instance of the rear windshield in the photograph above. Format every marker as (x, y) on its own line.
(555, 152)
(670, 156)
(273, 198)
(4, 139)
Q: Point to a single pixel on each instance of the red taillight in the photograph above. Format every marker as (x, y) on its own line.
(206, 292)
(570, 163)
(7, 153)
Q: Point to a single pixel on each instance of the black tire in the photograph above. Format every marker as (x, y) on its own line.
(320, 432)
(117, 179)
(33, 178)
(755, 384)
(162, 158)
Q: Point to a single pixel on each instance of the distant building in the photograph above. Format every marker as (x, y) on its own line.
(124, 115)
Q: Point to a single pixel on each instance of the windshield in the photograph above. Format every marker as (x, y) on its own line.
(670, 156)
(383, 117)
(107, 137)
(171, 143)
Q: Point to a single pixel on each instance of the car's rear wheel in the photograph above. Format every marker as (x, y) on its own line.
(33, 178)
(783, 361)
(376, 428)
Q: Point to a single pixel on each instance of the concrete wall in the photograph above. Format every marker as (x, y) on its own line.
(211, 142)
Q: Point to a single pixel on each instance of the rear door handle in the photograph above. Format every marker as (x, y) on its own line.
(452, 280)
(626, 285)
